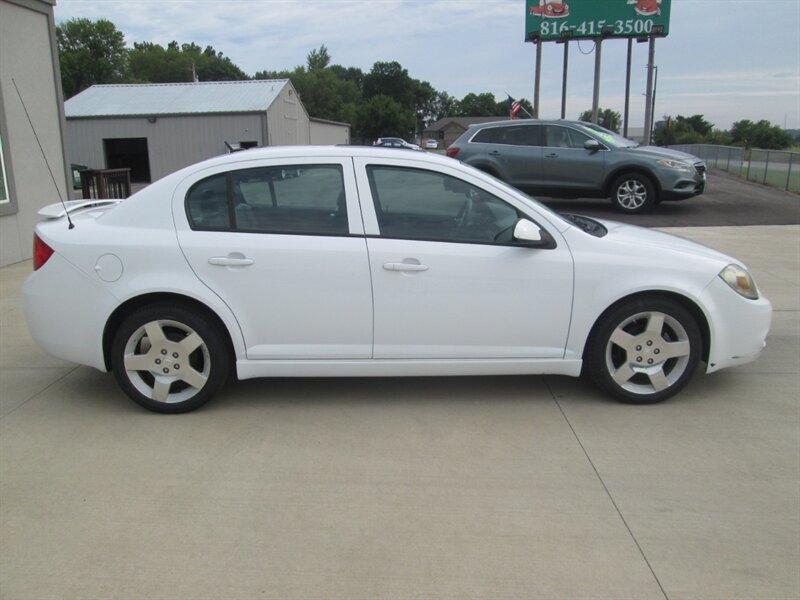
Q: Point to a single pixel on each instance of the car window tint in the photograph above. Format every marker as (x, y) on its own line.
(288, 199)
(207, 203)
(564, 137)
(486, 136)
(426, 205)
(519, 135)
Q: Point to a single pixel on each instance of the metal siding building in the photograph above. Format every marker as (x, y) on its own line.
(29, 59)
(157, 129)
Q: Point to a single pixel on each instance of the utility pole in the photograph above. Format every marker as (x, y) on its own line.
(598, 45)
(538, 77)
(627, 90)
(564, 80)
(648, 103)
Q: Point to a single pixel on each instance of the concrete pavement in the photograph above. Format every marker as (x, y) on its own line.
(504, 487)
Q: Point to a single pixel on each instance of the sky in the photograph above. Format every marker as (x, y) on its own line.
(725, 59)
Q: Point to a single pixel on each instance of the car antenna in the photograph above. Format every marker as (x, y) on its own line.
(44, 156)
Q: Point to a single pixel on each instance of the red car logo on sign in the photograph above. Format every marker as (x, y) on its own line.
(551, 9)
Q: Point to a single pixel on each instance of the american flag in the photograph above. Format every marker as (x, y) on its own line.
(515, 106)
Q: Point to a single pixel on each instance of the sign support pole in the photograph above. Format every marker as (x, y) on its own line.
(538, 78)
(648, 102)
(627, 90)
(564, 81)
(598, 45)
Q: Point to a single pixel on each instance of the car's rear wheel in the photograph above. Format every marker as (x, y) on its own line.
(633, 193)
(169, 359)
(644, 350)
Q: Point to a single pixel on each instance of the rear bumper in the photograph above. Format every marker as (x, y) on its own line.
(66, 312)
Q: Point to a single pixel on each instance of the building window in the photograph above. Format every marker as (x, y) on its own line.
(4, 198)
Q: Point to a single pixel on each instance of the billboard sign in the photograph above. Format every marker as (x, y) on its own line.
(558, 19)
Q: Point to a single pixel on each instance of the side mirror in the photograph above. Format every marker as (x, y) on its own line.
(592, 145)
(525, 231)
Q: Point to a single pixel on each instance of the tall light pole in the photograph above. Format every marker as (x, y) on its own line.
(653, 108)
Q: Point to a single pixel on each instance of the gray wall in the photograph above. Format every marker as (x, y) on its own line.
(287, 120)
(329, 133)
(172, 142)
(28, 55)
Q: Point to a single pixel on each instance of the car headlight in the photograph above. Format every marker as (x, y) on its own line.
(676, 164)
(740, 281)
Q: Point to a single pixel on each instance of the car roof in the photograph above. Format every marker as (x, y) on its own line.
(509, 122)
(343, 151)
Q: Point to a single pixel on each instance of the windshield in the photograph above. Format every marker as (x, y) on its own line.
(614, 140)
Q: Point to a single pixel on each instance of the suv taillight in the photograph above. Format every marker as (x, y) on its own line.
(452, 151)
(41, 252)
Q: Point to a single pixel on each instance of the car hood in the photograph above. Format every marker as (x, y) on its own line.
(657, 152)
(642, 239)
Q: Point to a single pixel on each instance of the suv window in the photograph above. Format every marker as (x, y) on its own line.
(425, 205)
(515, 135)
(564, 137)
(304, 199)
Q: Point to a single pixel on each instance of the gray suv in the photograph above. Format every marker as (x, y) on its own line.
(573, 159)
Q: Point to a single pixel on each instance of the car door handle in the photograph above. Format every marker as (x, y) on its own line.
(494, 153)
(230, 261)
(551, 155)
(401, 266)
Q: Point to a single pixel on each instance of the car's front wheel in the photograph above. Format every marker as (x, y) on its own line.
(633, 193)
(644, 350)
(169, 359)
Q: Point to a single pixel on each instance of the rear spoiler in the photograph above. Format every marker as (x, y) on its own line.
(58, 210)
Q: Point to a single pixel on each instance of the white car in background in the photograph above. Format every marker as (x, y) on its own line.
(374, 262)
(431, 144)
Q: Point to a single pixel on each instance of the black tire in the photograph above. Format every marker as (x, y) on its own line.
(176, 370)
(633, 193)
(625, 353)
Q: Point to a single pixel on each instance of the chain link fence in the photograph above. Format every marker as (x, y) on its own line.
(777, 168)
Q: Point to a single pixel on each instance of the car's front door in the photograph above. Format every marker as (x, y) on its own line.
(448, 281)
(567, 165)
(283, 246)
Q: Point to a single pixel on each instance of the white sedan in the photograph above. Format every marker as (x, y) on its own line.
(374, 262)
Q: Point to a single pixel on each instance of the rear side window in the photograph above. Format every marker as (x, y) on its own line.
(207, 204)
(515, 135)
(301, 199)
(486, 136)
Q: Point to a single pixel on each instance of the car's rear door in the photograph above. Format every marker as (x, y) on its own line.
(282, 244)
(517, 151)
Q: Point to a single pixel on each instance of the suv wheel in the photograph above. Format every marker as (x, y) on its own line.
(633, 193)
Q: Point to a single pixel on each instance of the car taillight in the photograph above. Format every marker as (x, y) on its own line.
(41, 252)
(452, 151)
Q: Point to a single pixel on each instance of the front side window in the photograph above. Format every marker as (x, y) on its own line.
(565, 137)
(301, 199)
(426, 205)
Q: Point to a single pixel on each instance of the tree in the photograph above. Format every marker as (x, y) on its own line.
(610, 119)
(392, 80)
(683, 130)
(90, 52)
(383, 116)
(478, 105)
(760, 135)
(177, 63)
(318, 59)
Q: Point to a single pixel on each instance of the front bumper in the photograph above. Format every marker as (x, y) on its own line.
(738, 326)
